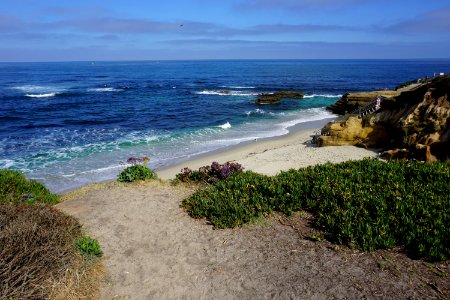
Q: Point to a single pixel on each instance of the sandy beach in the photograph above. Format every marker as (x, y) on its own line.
(154, 250)
(270, 156)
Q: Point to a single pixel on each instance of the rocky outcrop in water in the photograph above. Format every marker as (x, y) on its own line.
(414, 124)
(276, 97)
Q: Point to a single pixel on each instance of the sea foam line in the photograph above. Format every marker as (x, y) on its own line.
(46, 95)
(322, 95)
(226, 93)
(31, 88)
(312, 114)
(259, 111)
(104, 89)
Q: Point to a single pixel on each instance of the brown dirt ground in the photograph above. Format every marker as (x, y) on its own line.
(154, 250)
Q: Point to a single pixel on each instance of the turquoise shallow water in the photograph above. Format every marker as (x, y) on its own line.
(68, 124)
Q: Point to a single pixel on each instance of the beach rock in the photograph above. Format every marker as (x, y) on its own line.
(276, 97)
(352, 131)
(417, 120)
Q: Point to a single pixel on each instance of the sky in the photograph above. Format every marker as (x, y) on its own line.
(92, 30)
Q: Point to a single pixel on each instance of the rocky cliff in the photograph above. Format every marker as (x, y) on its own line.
(416, 121)
(352, 101)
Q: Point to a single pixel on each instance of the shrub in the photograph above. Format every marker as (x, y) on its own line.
(38, 255)
(16, 188)
(210, 174)
(88, 246)
(231, 203)
(137, 171)
(405, 84)
(36, 249)
(366, 204)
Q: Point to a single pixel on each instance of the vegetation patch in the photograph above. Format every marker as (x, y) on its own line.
(16, 188)
(137, 171)
(405, 84)
(36, 246)
(89, 246)
(38, 255)
(366, 204)
(210, 174)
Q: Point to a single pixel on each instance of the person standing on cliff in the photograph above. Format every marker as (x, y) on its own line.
(378, 104)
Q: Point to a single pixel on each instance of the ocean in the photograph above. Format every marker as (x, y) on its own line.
(68, 124)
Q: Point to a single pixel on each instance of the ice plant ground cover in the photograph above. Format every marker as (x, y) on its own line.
(368, 204)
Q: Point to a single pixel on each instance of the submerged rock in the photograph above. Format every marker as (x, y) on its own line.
(276, 97)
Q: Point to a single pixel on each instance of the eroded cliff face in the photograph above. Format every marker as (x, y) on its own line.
(352, 131)
(416, 121)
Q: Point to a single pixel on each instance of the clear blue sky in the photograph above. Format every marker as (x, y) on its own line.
(55, 30)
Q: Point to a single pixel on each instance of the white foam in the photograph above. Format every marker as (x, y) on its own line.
(46, 95)
(259, 111)
(31, 88)
(255, 111)
(104, 89)
(225, 126)
(6, 163)
(309, 115)
(39, 91)
(322, 96)
(226, 93)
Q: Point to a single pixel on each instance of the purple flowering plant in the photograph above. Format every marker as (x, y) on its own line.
(210, 174)
(138, 160)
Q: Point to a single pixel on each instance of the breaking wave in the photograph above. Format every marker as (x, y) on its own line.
(225, 126)
(226, 93)
(45, 95)
(322, 96)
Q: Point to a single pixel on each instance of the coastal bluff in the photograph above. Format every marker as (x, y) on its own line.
(413, 124)
(351, 101)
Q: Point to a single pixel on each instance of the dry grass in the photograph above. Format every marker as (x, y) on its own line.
(38, 257)
(82, 281)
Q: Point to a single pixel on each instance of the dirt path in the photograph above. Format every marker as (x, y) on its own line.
(154, 250)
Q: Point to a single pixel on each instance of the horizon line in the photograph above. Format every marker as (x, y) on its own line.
(228, 59)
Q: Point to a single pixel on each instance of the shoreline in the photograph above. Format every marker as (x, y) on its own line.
(269, 156)
(299, 127)
(168, 171)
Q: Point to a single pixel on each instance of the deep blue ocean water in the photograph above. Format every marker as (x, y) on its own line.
(69, 124)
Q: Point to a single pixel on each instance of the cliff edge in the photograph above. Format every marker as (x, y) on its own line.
(413, 124)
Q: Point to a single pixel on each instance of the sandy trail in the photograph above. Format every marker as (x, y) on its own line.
(154, 250)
